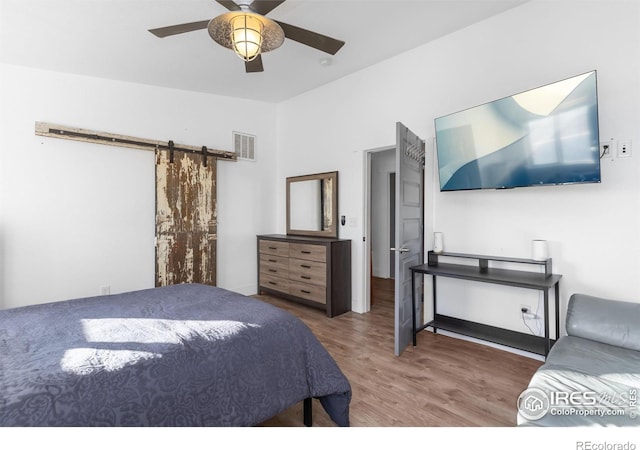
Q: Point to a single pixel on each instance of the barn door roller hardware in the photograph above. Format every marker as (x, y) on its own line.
(119, 140)
(204, 155)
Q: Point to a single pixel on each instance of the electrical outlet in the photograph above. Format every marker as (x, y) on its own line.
(624, 149)
(607, 149)
(105, 290)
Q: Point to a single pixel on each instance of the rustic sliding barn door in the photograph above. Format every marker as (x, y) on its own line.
(186, 215)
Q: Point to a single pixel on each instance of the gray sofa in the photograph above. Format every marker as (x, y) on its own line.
(591, 377)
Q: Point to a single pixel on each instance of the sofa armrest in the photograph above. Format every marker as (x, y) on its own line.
(609, 321)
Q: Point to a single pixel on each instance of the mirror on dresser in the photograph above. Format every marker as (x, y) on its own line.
(312, 205)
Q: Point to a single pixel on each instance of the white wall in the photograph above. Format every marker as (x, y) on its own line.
(592, 229)
(77, 216)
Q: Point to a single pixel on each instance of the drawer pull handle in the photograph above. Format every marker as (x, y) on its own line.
(306, 252)
(273, 248)
(305, 292)
(273, 270)
(274, 283)
(305, 278)
(305, 266)
(273, 260)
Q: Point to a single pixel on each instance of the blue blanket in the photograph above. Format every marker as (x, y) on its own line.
(183, 355)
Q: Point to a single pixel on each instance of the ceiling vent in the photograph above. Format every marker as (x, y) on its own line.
(245, 146)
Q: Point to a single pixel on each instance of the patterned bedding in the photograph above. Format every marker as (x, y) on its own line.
(183, 355)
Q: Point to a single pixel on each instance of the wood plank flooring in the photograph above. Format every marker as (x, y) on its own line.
(442, 382)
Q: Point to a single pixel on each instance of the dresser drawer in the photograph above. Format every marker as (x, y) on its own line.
(308, 251)
(274, 248)
(308, 291)
(274, 265)
(274, 282)
(306, 271)
(274, 271)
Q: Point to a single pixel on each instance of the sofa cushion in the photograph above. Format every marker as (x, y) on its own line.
(609, 321)
(607, 362)
(608, 376)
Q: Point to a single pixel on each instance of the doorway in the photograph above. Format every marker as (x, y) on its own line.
(392, 223)
(381, 220)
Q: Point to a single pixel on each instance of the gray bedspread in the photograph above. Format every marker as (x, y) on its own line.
(183, 355)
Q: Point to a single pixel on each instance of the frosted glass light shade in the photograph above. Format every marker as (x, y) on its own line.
(246, 34)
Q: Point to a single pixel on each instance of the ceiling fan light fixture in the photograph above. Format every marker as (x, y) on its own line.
(246, 33)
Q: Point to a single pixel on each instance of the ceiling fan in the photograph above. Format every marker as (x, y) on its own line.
(247, 31)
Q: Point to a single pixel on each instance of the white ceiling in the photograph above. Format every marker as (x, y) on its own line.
(109, 39)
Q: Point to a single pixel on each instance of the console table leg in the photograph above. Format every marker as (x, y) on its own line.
(547, 340)
(557, 289)
(435, 330)
(413, 307)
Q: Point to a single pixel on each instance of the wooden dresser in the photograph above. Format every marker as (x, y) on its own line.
(310, 270)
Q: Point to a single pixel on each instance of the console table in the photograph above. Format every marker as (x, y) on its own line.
(482, 272)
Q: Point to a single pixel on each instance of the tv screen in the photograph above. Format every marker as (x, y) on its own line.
(544, 136)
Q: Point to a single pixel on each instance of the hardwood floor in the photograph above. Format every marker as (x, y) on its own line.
(442, 382)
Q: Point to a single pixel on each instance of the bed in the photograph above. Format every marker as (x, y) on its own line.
(182, 355)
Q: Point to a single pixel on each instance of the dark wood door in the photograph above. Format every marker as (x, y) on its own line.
(186, 216)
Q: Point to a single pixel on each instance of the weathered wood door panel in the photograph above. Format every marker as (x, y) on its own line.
(186, 219)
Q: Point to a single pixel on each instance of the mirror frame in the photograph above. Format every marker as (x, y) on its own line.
(332, 232)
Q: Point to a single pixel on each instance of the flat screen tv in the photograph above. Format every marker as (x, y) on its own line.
(544, 136)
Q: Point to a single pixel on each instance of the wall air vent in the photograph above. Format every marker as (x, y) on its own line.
(245, 146)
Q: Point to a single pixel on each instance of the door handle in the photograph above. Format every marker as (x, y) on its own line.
(401, 249)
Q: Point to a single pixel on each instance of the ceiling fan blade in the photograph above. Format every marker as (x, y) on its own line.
(229, 4)
(264, 6)
(312, 39)
(177, 29)
(254, 65)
